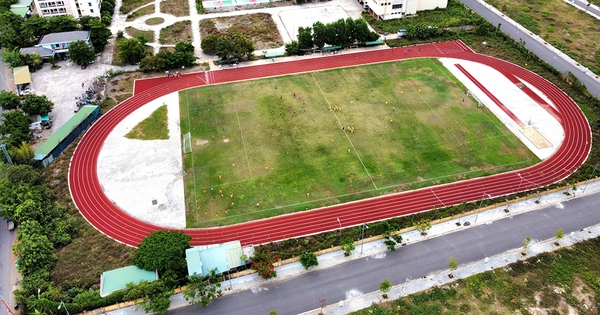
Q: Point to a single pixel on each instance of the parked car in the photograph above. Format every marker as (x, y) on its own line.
(10, 224)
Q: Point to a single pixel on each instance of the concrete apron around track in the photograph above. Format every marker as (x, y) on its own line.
(374, 246)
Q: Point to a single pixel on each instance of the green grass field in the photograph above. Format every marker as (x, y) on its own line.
(405, 125)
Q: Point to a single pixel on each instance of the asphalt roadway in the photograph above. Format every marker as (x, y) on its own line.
(6, 240)
(545, 52)
(300, 294)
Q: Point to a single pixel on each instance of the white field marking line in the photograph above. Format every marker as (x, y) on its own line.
(345, 133)
(187, 105)
(243, 142)
(436, 114)
(488, 117)
(436, 196)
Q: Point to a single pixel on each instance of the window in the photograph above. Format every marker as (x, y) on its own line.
(91, 10)
(89, 4)
(397, 6)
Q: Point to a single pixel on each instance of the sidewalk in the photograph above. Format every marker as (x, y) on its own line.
(372, 248)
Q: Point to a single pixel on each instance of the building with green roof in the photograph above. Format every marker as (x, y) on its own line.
(58, 141)
(117, 279)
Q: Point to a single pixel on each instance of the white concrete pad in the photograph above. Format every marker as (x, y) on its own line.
(293, 18)
(526, 109)
(133, 173)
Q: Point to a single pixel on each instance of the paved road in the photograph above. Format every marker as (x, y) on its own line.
(300, 294)
(3, 74)
(5, 263)
(586, 6)
(533, 45)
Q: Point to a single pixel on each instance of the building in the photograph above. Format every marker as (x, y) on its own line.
(223, 257)
(396, 9)
(59, 42)
(76, 8)
(22, 8)
(117, 279)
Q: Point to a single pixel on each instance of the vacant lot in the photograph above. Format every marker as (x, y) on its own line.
(175, 7)
(561, 25)
(259, 27)
(280, 145)
(129, 5)
(175, 33)
(141, 12)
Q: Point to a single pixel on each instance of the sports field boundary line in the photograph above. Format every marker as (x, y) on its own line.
(243, 141)
(187, 105)
(345, 133)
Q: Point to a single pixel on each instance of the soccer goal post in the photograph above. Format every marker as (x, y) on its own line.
(479, 103)
(187, 143)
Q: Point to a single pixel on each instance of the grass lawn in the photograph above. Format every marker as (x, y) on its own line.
(175, 7)
(405, 126)
(175, 33)
(551, 20)
(563, 282)
(259, 27)
(141, 12)
(128, 5)
(134, 32)
(154, 21)
(151, 128)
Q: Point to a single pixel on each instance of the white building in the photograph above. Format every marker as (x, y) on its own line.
(396, 9)
(76, 8)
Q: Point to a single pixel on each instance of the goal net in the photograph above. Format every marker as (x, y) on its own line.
(187, 143)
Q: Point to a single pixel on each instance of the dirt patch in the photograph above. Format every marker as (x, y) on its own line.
(259, 27)
(175, 7)
(200, 142)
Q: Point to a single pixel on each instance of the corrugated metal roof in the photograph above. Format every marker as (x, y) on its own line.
(203, 259)
(64, 37)
(117, 279)
(57, 137)
(43, 52)
(21, 75)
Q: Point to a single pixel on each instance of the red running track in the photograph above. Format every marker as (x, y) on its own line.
(109, 219)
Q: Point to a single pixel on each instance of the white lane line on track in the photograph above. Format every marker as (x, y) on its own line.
(243, 142)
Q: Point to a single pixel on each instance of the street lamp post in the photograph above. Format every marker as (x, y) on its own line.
(362, 239)
(229, 276)
(593, 173)
(564, 39)
(63, 304)
(483, 197)
(340, 222)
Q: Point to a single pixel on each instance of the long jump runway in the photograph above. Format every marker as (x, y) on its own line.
(109, 219)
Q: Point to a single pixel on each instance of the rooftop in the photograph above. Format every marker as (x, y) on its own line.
(117, 279)
(63, 37)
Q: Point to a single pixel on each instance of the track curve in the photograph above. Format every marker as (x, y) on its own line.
(108, 218)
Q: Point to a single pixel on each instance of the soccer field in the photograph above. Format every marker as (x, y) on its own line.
(272, 146)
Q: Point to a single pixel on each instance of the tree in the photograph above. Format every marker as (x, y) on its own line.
(19, 184)
(452, 263)
(162, 251)
(131, 50)
(202, 290)
(389, 232)
(37, 105)
(9, 100)
(526, 242)
(81, 52)
(558, 235)
(292, 48)
(385, 286)
(263, 264)
(234, 46)
(35, 252)
(155, 295)
(209, 44)
(423, 226)
(10, 30)
(319, 34)
(15, 128)
(33, 29)
(362, 33)
(13, 57)
(183, 56)
(62, 23)
(308, 259)
(99, 33)
(305, 39)
(273, 312)
(348, 246)
(22, 154)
